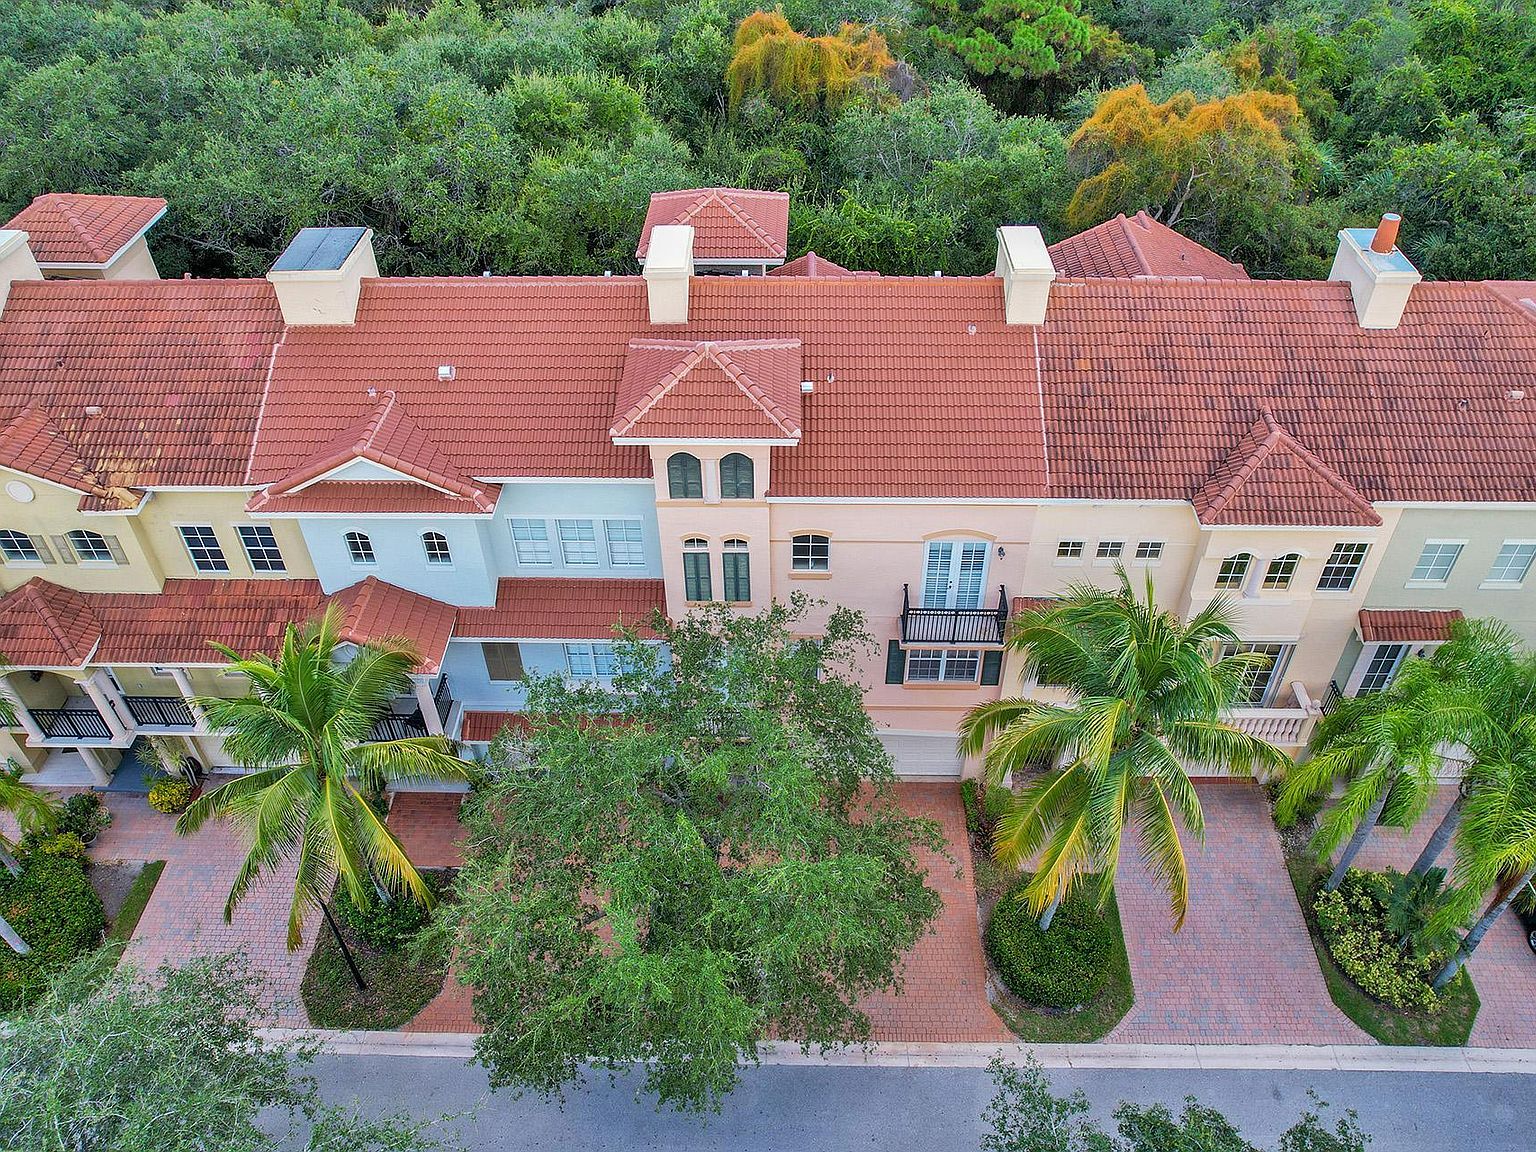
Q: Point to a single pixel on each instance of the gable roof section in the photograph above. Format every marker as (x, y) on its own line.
(551, 608)
(1407, 625)
(376, 611)
(32, 443)
(728, 223)
(43, 625)
(1139, 246)
(371, 498)
(816, 267)
(150, 382)
(1271, 479)
(73, 229)
(728, 389)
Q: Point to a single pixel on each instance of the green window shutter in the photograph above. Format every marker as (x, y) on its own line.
(736, 477)
(503, 661)
(895, 663)
(685, 477)
(696, 586)
(44, 552)
(65, 550)
(737, 575)
(992, 667)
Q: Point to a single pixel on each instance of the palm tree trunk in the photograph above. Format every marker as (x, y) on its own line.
(1357, 841)
(1479, 930)
(10, 936)
(346, 953)
(9, 862)
(1443, 833)
(1050, 913)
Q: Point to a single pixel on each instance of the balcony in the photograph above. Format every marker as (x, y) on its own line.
(1287, 727)
(411, 726)
(168, 712)
(80, 724)
(964, 627)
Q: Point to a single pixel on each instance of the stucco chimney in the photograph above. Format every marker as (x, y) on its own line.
(668, 269)
(1380, 277)
(16, 262)
(320, 274)
(1026, 271)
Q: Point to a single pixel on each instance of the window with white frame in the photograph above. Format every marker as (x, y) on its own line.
(942, 665)
(89, 547)
(1069, 550)
(435, 546)
(1149, 551)
(1281, 571)
(1109, 550)
(18, 548)
(810, 552)
(360, 548)
(1382, 667)
(578, 542)
(1342, 568)
(204, 548)
(1234, 570)
(1436, 561)
(530, 543)
(1262, 677)
(1512, 563)
(596, 661)
(626, 543)
(696, 582)
(260, 544)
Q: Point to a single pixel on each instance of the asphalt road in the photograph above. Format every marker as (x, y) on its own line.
(811, 1109)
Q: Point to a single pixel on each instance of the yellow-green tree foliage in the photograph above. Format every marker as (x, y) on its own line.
(1184, 158)
(794, 69)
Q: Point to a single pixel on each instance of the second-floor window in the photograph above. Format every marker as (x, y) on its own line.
(942, 665)
(1069, 550)
(810, 552)
(203, 547)
(1149, 551)
(578, 542)
(1281, 571)
(530, 543)
(626, 543)
(19, 548)
(1436, 561)
(736, 572)
(1109, 550)
(685, 478)
(360, 548)
(1342, 567)
(1233, 571)
(1261, 678)
(596, 661)
(696, 583)
(1512, 563)
(89, 547)
(260, 546)
(736, 477)
(435, 545)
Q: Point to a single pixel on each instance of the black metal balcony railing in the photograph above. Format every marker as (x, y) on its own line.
(1331, 697)
(966, 626)
(410, 726)
(443, 699)
(160, 711)
(71, 723)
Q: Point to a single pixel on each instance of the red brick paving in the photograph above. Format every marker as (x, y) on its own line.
(1242, 969)
(427, 826)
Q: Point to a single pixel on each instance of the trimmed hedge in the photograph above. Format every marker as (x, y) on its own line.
(53, 908)
(170, 796)
(384, 924)
(1063, 968)
(1353, 924)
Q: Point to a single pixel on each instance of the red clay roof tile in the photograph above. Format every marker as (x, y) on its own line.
(482, 727)
(815, 267)
(45, 626)
(1272, 479)
(32, 443)
(372, 498)
(1139, 246)
(376, 611)
(72, 228)
(727, 390)
(1407, 625)
(728, 223)
(551, 608)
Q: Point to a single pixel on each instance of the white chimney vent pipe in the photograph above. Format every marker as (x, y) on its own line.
(1380, 281)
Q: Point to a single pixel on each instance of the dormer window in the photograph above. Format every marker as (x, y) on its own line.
(1234, 570)
(736, 477)
(685, 477)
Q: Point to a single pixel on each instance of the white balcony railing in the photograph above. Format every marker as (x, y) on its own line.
(1287, 727)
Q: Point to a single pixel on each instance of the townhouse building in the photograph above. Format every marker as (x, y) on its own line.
(500, 469)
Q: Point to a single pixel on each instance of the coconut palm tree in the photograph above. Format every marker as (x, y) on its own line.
(305, 730)
(34, 811)
(1148, 693)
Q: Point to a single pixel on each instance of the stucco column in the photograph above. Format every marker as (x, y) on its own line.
(429, 715)
(104, 705)
(184, 686)
(23, 713)
(93, 761)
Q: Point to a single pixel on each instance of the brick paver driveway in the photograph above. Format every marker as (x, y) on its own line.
(1503, 967)
(1242, 969)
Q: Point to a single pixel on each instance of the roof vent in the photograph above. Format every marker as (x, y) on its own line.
(1516, 394)
(668, 269)
(807, 385)
(445, 373)
(1380, 277)
(93, 409)
(1385, 238)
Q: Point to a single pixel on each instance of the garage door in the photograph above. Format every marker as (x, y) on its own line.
(923, 754)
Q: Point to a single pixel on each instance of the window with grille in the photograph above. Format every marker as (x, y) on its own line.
(696, 584)
(1149, 551)
(530, 543)
(1342, 567)
(736, 572)
(204, 549)
(1109, 549)
(1069, 550)
(685, 477)
(1512, 563)
(1436, 561)
(435, 545)
(18, 547)
(810, 553)
(1234, 570)
(1261, 678)
(1281, 571)
(360, 548)
(626, 543)
(260, 546)
(578, 542)
(942, 665)
(736, 477)
(596, 661)
(1382, 667)
(88, 546)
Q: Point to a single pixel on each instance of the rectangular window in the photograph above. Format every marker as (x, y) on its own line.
(596, 661)
(1383, 666)
(1149, 551)
(1281, 571)
(1260, 680)
(1436, 561)
(1069, 550)
(1109, 549)
(942, 665)
(810, 553)
(503, 661)
(578, 542)
(1342, 567)
(696, 585)
(530, 542)
(260, 548)
(626, 543)
(1512, 563)
(736, 574)
(203, 547)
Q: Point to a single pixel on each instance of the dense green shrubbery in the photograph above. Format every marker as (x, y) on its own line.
(62, 844)
(1062, 968)
(54, 909)
(385, 924)
(983, 809)
(171, 795)
(83, 815)
(1353, 921)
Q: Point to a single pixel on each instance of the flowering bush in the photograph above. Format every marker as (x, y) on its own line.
(170, 796)
(1353, 922)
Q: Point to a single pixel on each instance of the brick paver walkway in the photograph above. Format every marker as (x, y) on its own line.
(1242, 969)
(427, 826)
(1503, 967)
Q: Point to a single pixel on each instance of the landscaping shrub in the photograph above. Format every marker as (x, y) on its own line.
(983, 808)
(65, 845)
(1062, 968)
(381, 923)
(54, 909)
(170, 796)
(83, 815)
(1353, 921)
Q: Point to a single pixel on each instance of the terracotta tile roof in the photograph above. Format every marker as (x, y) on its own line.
(552, 608)
(737, 389)
(173, 368)
(728, 223)
(1406, 625)
(376, 611)
(1139, 246)
(372, 498)
(180, 623)
(69, 228)
(45, 626)
(816, 267)
(482, 727)
(1272, 479)
(32, 443)
(1022, 604)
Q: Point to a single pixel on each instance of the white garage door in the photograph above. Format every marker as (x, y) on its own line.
(923, 754)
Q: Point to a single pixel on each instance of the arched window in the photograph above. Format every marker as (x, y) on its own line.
(736, 477)
(1234, 570)
(435, 544)
(18, 546)
(1281, 570)
(736, 572)
(685, 479)
(360, 548)
(88, 545)
(809, 552)
(696, 584)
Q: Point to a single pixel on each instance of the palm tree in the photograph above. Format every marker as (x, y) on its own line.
(34, 812)
(1148, 693)
(305, 729)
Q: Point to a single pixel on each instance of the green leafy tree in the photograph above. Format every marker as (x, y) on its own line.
(1147, 695)
(1017, 39)
(670, 870)
(112, 1061)
(317, 774)
(32, 810)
